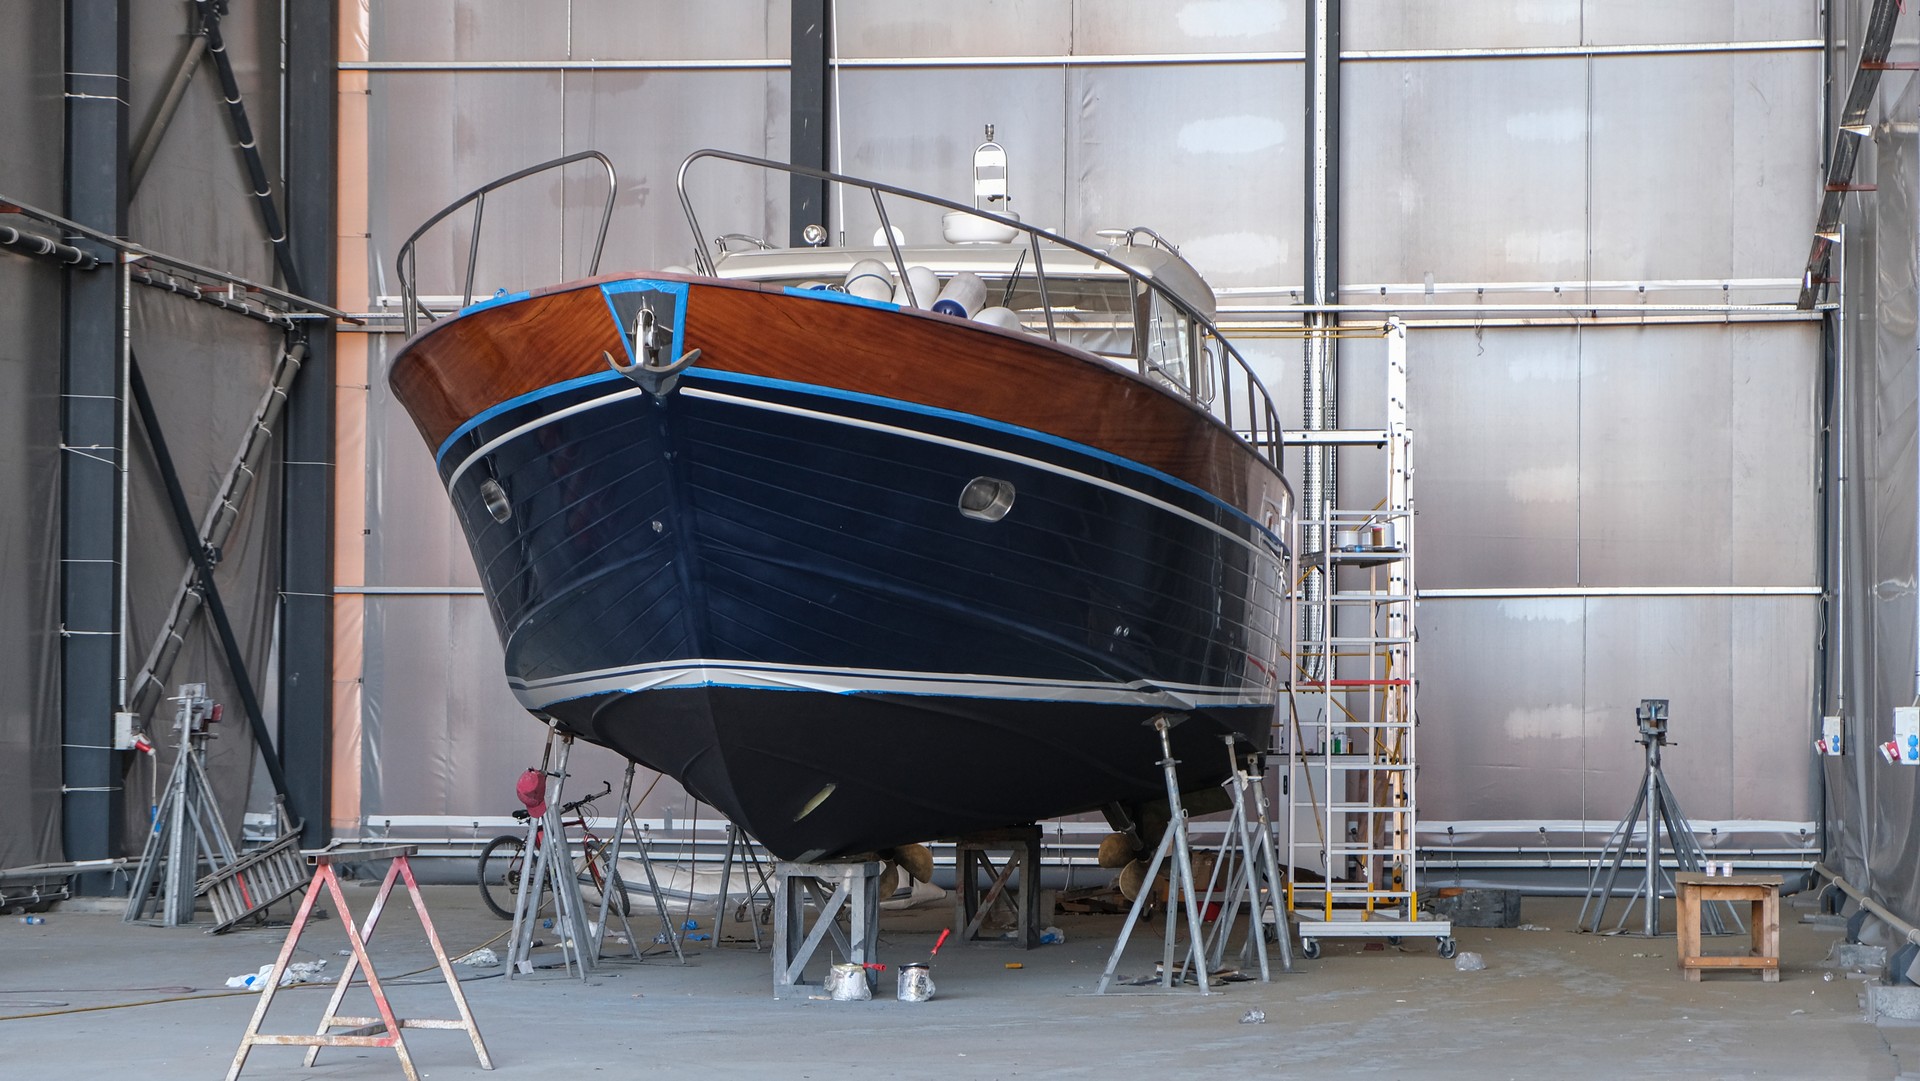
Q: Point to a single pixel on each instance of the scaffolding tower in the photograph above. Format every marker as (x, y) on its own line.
(1348, 737)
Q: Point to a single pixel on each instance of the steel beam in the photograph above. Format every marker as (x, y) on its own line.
(810, 101)
(93, 437)
(1853, 126)
(306, 572)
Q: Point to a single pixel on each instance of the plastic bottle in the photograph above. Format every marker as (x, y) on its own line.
(33, 919)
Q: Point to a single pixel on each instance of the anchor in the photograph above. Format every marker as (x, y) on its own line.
(649, 340)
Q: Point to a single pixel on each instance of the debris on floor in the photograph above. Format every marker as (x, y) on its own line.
(1468, 961)
(298, 972)
(1254, 1017)
(480, 958)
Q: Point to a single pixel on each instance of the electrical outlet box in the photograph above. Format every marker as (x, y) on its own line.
(123, 731)
(1906, 734)
(1833, 738)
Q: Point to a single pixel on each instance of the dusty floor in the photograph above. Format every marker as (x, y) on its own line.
(1550, 1003)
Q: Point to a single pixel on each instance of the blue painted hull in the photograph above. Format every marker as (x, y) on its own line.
(766, 588)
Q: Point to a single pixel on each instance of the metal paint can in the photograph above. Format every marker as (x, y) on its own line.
(848, 983)
(916, 982)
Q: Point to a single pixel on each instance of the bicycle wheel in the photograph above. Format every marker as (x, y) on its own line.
(591, 876)
(501, 863)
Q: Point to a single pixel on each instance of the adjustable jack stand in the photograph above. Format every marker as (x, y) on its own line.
(1251, 874)
(1180, 887)
(549, 866)
(1660, 808)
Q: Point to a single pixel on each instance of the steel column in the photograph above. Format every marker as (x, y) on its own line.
(1320, 384)
(92, 436)
(810, 87)
(306, 572)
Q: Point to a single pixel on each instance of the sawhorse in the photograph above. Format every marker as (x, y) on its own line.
(972, 864)
(385, 1029)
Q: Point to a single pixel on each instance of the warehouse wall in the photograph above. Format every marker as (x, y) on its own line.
(1611, 507)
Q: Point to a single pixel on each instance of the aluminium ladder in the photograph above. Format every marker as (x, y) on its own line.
(1348, 737)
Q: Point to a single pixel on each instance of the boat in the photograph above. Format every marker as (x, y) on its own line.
(870, 546)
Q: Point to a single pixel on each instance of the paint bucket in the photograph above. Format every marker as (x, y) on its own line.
(916, 982)
(848, 983)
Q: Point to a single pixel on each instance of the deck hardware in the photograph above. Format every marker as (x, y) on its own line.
(650, 340)
(496, 500)
(987, 499)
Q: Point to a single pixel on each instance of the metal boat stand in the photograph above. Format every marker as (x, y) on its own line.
(972, 863)
(738, 842)
(1661, 809)
(629, 821)
(384, 1029)
(856, 888)
(1247, 872)
(549, 866)
(1180, 887)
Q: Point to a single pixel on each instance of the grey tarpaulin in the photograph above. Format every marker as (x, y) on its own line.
(1873, 806)
(29, 450)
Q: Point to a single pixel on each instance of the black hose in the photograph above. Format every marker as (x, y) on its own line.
(243, 135)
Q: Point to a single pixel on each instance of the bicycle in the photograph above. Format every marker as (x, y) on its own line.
(504, 857)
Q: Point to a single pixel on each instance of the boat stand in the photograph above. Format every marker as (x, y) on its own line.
(1180, 888)
(972, 864)
(549, 866)
(384, 1029)
(739, 842)
(1247, 873)
(615, 884)
(856, 888)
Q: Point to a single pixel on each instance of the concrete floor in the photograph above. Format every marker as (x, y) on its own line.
(1549, 1004)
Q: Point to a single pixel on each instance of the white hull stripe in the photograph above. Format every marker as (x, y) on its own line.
(946, 441)
(538, 694)
(538, 422)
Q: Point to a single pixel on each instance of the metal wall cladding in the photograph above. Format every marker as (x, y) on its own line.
(30, 778)
(1568, 169)
(1697, 456)
(415, 538)
(1510, 24)
(1527, 705)
(882, 28)
(549, 30)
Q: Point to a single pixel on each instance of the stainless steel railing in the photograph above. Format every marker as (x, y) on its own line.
(1259, 422)
(406, 260)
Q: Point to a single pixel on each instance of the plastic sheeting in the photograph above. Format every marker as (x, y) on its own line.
(1873, 806)
(1654, 456)
(30, 83)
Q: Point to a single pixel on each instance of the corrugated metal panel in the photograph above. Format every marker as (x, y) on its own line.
(884, 28)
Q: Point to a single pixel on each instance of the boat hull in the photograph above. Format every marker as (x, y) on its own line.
(761, 581)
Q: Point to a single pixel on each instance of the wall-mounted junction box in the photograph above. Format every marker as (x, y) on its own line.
(1904, 747)
(1833, 739)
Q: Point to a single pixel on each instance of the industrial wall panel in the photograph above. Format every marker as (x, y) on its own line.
(1662, 411)
(1438, 152)
(413, 538)
(648, 123)
(1701, 165)
(1510, 24)
(1503, 722)
(884, 28)
(663, 30)
(1207, 155)
(917, 128)
(436, 137)
(425, 30)
(1527, 706)
(1496, 419)
(1145, 27)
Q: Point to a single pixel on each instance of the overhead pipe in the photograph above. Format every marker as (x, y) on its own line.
(243, 135)
(1319, 478)
(47, 248)
(163, 116)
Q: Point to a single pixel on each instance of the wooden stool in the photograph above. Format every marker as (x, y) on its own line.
(1763, 891)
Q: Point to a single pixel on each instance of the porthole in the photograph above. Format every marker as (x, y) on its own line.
(986, 498)
(495, 498)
